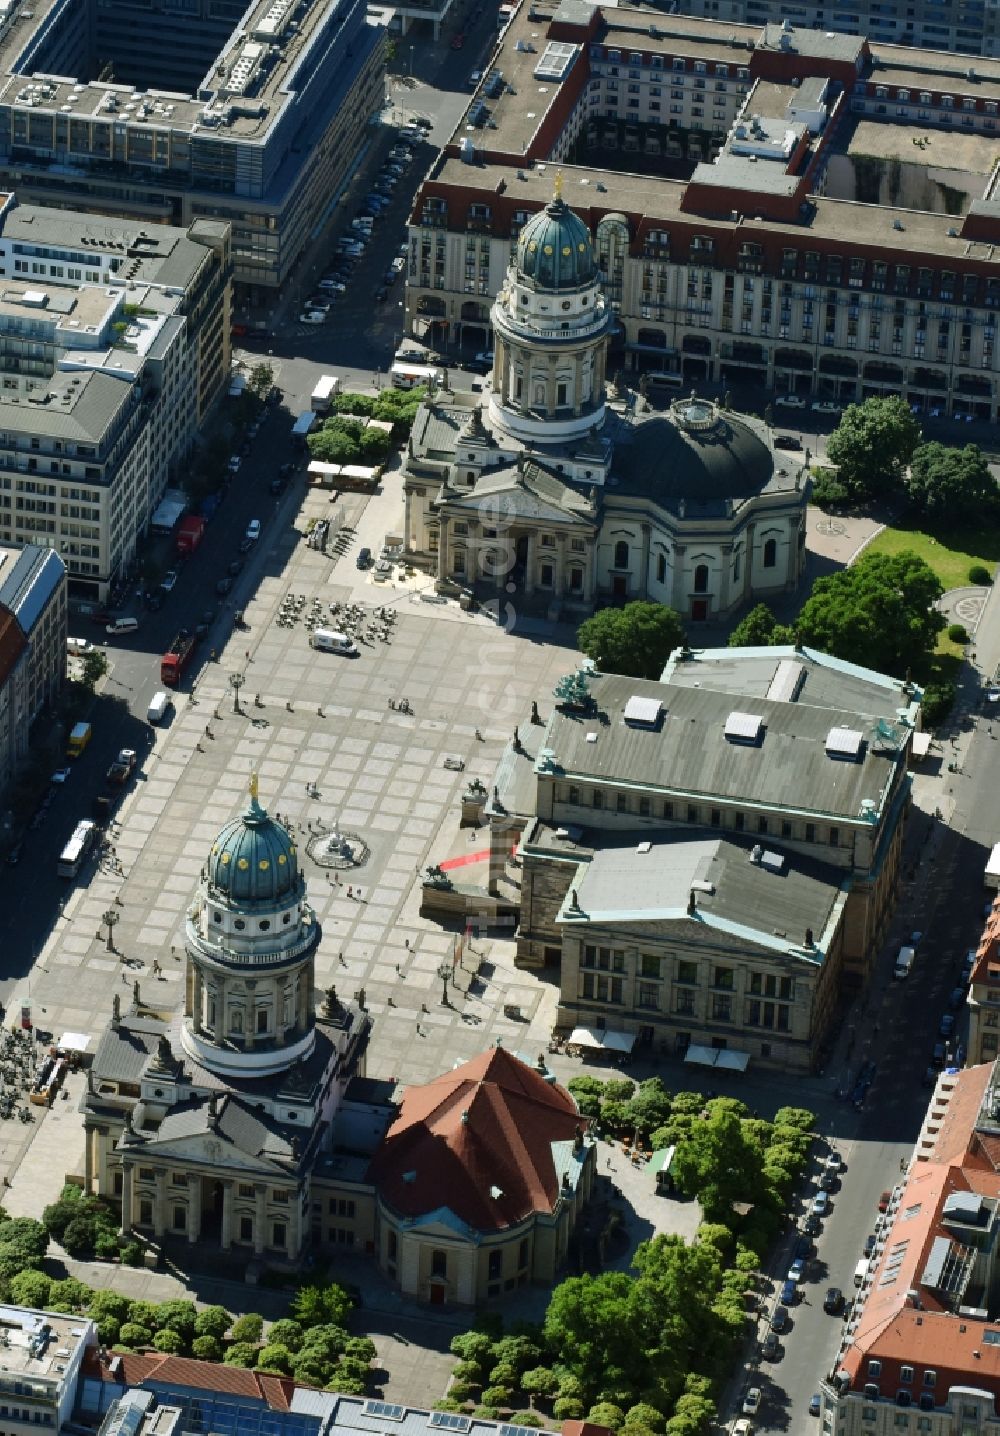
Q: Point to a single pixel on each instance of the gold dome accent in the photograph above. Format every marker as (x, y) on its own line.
(264, 865)
(566, 249)
(547, 249)
(242, 864)
(226, 859)
(282, 860)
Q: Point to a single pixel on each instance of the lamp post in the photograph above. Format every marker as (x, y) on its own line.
(110, 919)
(445, 973)
(236, 682)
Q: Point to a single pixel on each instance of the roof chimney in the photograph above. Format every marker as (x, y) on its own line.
(692, 904)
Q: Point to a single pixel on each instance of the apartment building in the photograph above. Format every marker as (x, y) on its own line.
(807, 211)
(33, 627)
(114, 345)
(984, 993)
(969, 28)
(41, 1354)
(920, 1349)
(710, 858)
(252, 117)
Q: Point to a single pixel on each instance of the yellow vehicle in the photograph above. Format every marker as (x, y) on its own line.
(78, 739)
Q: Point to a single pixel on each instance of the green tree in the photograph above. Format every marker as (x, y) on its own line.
(635, 640)
(95, 665)
(260, 381)
(540, 1381)
(132, 1335)
(170, 1342)
(568, 1408)
(331, 445)
(872, 445)
(241, 1353)
(310, 1370)
(326, 1342)
(207, 1348)
(944, 482)
(70, 1294)
(878, 613)
(30, 1288)
(590, 1322)
(143, 1313)
(247, 1328)
(316, 1305)
(497, 1395)
(286, 1332)
(177, 1315)
(472, 1346)
(606, 1414)
(212, 1321)
(716, 1164)
(760, 629)
(276, 1356)
(78, 1238)
(642, 1414)
(649, 1107)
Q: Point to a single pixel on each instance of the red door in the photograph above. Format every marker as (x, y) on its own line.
(699, 610)
(437, 1294)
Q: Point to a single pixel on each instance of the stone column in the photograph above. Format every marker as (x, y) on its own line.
(126, 1198)
(529, 565)
(293, 1228)
(160, 1205)
(560, 565)
(88, 1161)
(259, 1220)
(227, 1216)
(194, 1209)
(444, 525)
(644, 532)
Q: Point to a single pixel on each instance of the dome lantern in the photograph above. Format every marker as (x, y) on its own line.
(555, 252)
(253, 859)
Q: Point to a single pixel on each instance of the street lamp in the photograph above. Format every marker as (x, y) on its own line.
(236, 682)
(445, 973)
(111, 917)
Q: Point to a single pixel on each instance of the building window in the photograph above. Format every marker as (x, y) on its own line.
(522, 1254)
(439, 1263)
(495, 1265)
(723, 977)
(145, 1214)
(834, 837)
(391, 1246)
(278, 1234)
(701, 578)
(246, 1229)
(621, 554)
(770, 553)
(180, 1219)
(262, 1020)
(722, 1007)
(649, 994)
(661, 568)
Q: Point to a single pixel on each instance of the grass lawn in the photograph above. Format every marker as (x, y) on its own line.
(950, 551)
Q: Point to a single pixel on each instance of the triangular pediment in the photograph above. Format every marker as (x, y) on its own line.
(209, 1150)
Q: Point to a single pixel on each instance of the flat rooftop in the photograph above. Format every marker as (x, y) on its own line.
(38, 1343)
(975, 154)
(252, 79)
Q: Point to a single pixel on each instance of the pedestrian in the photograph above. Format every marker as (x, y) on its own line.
(350, 892)
(397, 969)
(248, 655)
(406, 943)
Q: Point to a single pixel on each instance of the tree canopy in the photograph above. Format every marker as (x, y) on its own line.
(635, 640)
(872, 445)
(878, 613)
(953, 483)
(760, 629)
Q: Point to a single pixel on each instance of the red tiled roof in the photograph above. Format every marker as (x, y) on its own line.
(12, 643)
(485, 1128)
(584, 1428)
(987, 965)
(141, 1368)
(903, 1321)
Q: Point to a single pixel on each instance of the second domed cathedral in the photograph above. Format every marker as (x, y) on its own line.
(557, 485)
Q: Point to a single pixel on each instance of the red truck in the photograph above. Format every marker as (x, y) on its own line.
(190, 534)
(177, 657)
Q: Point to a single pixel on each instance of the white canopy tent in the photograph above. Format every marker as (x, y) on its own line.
(723, 1058)
(602, 1040)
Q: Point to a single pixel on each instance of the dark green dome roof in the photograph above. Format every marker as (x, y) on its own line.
(254, 858)
(555, 250)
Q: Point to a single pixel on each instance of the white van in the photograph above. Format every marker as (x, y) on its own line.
(904, 961)
(861, 1272)
(328, 640)
(122, 625)
(79, 647)
(159, 706)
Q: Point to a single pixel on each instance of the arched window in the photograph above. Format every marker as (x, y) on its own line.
(701, 578)
(770, 553)
(262, 1019)
(236, 1022)
(621, 554)
(661, 568)
(540, 394)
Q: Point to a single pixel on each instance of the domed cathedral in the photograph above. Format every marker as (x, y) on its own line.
(214, 1125)
(550, 490)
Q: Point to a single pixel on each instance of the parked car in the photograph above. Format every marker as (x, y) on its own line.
(820, 1204)
(381, 294)
(790, 401)
(812, 1224)
(957, 997)
(169, 580)
(223, 586)
(815, 1404)
(871, 1242)
(884, 1200)
(787, 441)
(797, 1270)
(825, 406)
(789, 1293)
(939, 1053)
(312, 316)
(947, 1024)
(61, 775)
(833, 1302)
(743, 1428)
(234, 463)
(322, 302)
(751, 1401)
(253, 530)
(929, 1078)
(770, 1346)
(779, 1318)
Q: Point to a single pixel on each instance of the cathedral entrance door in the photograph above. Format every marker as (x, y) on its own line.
(619, 585)
(699, 610)
(437, 1294)
(211, 1208)
(520, 568)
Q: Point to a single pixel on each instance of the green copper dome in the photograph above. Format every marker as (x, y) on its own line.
(554, 249)
(254, 858)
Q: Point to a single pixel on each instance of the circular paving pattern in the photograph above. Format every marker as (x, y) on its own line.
(333, 848)
(968, 609)
(830, 526)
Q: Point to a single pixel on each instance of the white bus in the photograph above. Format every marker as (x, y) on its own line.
(408, 376)
(76, 849)
(322, 395)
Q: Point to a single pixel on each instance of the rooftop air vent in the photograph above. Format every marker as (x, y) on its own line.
(744, 728)
(845, 743)
(642, 712)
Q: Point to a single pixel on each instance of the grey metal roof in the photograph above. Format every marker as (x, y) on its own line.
(826, 682)
(86, 414)
(824, 44)
(688, 753)
(28, 585)
(622, 883)
(533, 493)
(123, 1051)
(250, 1132)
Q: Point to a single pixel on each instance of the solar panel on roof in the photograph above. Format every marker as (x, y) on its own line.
(450, 1421)
(385, 1410)
(744, 727)
(844, 742)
